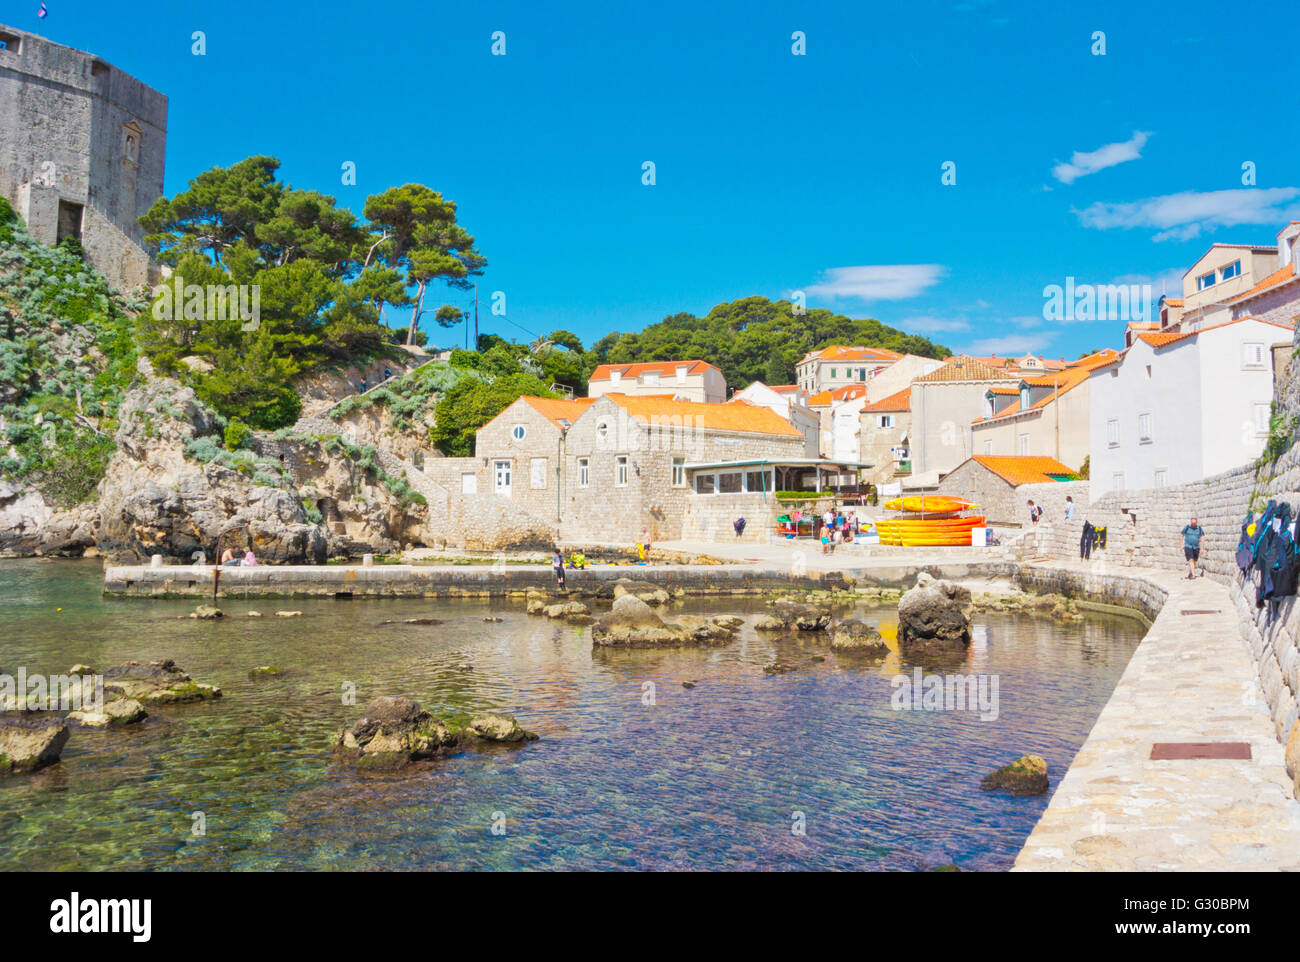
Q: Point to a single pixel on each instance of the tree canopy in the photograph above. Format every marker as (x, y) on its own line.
(754, 339)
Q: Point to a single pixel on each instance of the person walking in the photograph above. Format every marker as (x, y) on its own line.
(1192, 535)
(1069, 508)
(1035, 512)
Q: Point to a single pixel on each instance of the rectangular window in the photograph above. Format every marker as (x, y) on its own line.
(756, 481)
(501, 478)
(620, 470)
(832, 373)
(862, 374)
(988, 447)
(1144, 429)
(681, 375)
(584, 472)
(1252, 355)
(469, 484)
(729, 483)
(1232, 270)
(69, 224)
(1117, 481)
(1112, 433)
(1024, 445)
(679, 472)
(885, 421)
(1204, 281)
(10, 42)
(1263, 414)
(538, 473)
(650, 378)
(704, 484)
(1162, 478)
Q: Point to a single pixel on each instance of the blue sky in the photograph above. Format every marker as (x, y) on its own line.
(774, 172)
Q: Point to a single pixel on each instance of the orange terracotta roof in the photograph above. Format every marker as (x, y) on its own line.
(1061, 381)
(1004, 390)
(1020, 469)
(1283, 275)
(603, 371)
(784, 388)
(738, 416)
(845, 393)
(964, 369)
(559, 409)
(838, 352)
(901, 401)
(1174, 303)
(1143, 326)
(1165, 339)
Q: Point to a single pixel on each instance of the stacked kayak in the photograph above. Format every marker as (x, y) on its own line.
(929, 531)
(930, 504)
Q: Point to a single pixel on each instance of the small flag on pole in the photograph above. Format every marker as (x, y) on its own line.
(42, 13)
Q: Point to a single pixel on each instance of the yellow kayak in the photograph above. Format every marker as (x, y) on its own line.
(929, 502)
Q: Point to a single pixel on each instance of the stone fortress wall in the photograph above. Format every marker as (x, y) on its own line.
(82, 151)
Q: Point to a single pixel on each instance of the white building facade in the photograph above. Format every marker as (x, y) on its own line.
(1176, 408)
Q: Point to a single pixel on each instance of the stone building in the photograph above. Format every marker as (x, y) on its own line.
(1042, 415)
(943, 405)
(82, 150)
(616, 468)
(838, 366)
(687, 380)
(994, 483)
(885, 427)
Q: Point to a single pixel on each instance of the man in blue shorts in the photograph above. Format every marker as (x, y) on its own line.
(1192, 535)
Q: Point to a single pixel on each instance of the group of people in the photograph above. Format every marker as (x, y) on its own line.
(838, 528)
(1036, 510)
(230, 559)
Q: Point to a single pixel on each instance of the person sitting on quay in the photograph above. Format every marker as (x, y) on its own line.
(228, 558)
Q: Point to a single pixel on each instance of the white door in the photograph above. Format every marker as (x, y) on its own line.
(469, 484)
(502, 476)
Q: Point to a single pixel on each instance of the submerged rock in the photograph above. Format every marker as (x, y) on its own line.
(649, 593)
(769, 623)
(156, 683)
(29, 743)
(777, 668)
(1027, 775)
(207, 613)
(934, 614)
(265, 671)
(566, 609)
(396, 731)
(858, 637)
(119, 711)
(288, 614)
(805, 617)
(632, 624)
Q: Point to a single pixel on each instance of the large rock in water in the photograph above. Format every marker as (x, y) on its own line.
(631, 623)
(934, 615)
(29, 742)
(156, 683)
(396, 731)
(1027, 775)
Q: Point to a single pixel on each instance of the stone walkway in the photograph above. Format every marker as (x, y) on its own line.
(1191, 679)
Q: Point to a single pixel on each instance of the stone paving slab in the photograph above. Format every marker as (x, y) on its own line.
(1191, 679)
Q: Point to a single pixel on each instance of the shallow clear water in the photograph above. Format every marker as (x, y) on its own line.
(708, 778)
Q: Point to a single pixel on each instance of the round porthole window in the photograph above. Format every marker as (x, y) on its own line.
(519, 432)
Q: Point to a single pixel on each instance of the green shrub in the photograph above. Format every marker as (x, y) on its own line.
(237, 435)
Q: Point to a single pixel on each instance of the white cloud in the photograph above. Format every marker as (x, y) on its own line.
(1184, 216)
(1016, 345)
(1083, 163)
(932, 325)
(877, 282)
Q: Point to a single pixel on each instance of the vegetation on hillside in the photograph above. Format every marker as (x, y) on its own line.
(66, 356)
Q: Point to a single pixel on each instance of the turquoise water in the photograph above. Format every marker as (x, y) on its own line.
(707, 778)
